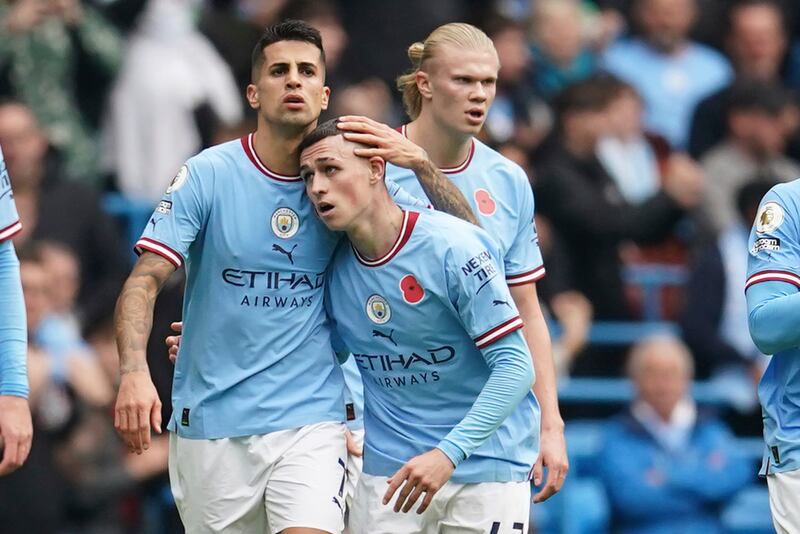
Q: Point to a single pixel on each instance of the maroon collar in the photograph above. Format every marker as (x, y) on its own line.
(249, 149)
(409, 221)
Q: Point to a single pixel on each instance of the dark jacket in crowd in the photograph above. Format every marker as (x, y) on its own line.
(592, 217)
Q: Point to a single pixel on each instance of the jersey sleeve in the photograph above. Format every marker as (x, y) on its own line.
(403, 198)
(180, 215)
(523, 261)
(774, 243)
(477, 288)
(9, 219)
(13, 329)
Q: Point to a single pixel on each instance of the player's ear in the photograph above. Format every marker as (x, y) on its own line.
(326, 95)
(423, 84)
(252, 96)
(377, 169)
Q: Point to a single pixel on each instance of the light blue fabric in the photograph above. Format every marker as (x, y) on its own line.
(653, 491)
(432, 328)
(773, 303)
(501, 197)
(256, 354)
(670, 85)
(13, 328)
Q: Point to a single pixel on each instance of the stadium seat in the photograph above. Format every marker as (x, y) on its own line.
(748, 513)
(580, 508)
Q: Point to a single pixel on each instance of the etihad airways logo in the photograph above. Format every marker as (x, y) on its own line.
(273, 280)
(400, 362)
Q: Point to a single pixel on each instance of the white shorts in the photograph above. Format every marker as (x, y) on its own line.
(784, 501)
(261, 484)
(354, 465)
(485, 508)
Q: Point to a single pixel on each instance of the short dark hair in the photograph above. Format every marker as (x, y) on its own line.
(592, 94)
(327, 129)
(287, 30)
(759, 96)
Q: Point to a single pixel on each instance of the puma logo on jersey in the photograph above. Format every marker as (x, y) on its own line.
(378, 333)
(500, 303)
(154, 222)
(288, 253)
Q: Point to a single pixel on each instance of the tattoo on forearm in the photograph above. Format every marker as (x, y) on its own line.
(134, 312)
(443, 194)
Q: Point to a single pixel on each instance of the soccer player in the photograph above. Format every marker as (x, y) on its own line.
(773, 304)
(447, 381)
(16, 430)
(257, 442)
(448, 94)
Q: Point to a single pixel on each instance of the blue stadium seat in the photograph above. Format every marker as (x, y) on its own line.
(580, 508)
(620, 391)
(748, 513)
(584, 439)
(132, 215)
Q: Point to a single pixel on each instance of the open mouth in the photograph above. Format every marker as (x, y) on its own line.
(294, 102)
(476, 114)
(324, 207)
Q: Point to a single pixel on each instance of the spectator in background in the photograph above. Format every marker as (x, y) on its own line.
(63, 383)
(584, 204)
(568, 307)
(58, 210)
(670, 72)
(714, 321)
(631, 157)
(559, 49)
(233, 36)
(756, 41)
(517, 115)
(760, 119)
(666, 466)
(45, 46)
(172, 93)
(369, 98)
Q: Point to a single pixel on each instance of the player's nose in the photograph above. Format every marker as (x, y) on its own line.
(293, 79)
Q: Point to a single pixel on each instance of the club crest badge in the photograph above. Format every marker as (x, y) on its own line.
(179, 180)
(769, 217)
(285, 223)
(378, 310)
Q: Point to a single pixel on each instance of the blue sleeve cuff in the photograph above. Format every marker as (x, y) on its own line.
(452, 451)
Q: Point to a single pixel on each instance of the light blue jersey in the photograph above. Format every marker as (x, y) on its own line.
(501, 197)
(671, 85)
(13, 330)
(256, 354)
(9, 219)
(435, 333)
(774, 260)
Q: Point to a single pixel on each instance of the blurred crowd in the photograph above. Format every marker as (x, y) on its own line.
(650, 130)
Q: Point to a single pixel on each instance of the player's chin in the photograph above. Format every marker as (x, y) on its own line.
(300, 118)
(471, 127)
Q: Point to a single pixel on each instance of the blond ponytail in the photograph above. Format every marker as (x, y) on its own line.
(458, 34)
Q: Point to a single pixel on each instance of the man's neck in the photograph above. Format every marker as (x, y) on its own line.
(444, 147)
(377, 229)
(277, 146)
(672, 49)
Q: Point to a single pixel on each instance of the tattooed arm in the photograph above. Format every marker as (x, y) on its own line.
(138, 406)
(395, 148)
